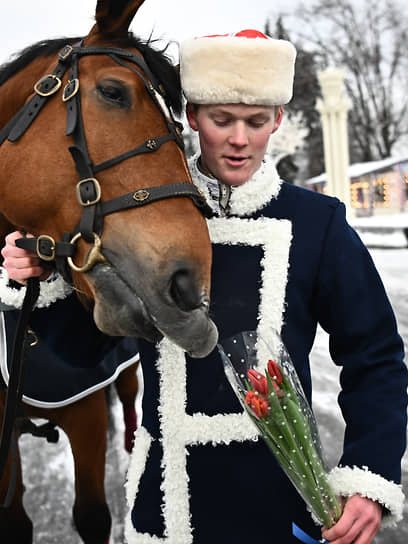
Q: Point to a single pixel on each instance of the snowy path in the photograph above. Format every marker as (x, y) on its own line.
(48, 469)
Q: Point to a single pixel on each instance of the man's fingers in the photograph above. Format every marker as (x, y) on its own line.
(11, 262)
(359, 523)
(10, 252)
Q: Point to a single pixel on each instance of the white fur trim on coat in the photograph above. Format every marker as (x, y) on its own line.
(179, 429)
(51, 290)
(347, 481)
(231, 69)
(135, 471)
(248, 198)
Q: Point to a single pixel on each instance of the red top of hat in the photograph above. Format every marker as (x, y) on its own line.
(248, 33)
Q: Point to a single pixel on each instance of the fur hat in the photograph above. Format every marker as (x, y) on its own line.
(245, 67)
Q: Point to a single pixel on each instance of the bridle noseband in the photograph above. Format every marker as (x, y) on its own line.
(88, 189)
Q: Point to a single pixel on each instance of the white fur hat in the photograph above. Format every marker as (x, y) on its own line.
(245, 67)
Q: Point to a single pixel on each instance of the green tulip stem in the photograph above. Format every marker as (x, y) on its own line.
(301, 471)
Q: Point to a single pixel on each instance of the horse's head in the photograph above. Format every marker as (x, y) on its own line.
(148, 270)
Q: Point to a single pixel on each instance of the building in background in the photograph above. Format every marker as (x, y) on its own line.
(376, 188)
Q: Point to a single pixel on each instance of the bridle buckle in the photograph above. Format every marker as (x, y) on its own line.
(65, 53)
(70, 90)
(46, 243)
(56, 85)
(97, 189)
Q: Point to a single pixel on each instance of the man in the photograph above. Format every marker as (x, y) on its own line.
(284, 260)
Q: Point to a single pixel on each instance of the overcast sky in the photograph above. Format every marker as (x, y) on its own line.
(23, 22)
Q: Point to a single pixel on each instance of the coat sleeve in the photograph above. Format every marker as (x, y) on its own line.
(352, 306)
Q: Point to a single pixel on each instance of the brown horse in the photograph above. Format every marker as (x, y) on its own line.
(143, 272)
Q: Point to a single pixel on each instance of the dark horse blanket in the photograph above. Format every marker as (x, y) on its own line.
(72, 358)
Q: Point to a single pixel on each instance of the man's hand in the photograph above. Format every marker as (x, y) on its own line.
(21, 264)
(359, 523)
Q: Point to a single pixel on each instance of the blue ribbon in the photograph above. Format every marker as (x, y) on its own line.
(303, 537)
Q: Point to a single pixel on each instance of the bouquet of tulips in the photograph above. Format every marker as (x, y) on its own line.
(270, 391)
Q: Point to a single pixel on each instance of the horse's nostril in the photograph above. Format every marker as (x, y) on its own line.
(184, 291)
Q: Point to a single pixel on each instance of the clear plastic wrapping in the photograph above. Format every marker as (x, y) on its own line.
(271, 393)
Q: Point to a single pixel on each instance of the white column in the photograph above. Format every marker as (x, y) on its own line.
(333, 108)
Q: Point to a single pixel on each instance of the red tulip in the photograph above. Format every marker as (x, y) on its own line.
(258, 381)
(258, 404)
(274, 371)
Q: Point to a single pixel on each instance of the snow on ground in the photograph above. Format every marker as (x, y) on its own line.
(383, 231)
(394, 220)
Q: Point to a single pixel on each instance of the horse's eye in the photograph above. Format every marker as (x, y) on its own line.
(115, 93)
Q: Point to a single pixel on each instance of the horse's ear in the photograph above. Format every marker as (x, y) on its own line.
(113, 17)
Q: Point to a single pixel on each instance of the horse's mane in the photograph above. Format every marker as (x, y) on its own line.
(158, 62)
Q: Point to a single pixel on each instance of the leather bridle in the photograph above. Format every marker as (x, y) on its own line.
(89, 196)
(88, 189)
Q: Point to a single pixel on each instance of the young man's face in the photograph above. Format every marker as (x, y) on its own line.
(233, 138)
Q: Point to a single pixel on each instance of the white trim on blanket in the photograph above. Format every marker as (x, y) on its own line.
(69, 400)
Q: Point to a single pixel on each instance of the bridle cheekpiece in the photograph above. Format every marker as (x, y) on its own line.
(88, 189)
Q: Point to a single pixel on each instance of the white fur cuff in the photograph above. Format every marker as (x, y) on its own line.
(52, 289)
(347, 481)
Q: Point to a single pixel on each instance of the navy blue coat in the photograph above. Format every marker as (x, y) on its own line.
(190, 458)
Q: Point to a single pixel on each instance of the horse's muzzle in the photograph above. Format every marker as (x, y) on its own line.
(178, 309)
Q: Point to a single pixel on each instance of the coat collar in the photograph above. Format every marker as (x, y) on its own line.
(245, 199)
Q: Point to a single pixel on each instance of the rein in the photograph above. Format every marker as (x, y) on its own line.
(14, 390)
(88, 189)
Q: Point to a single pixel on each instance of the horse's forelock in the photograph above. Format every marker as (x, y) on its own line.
(157, 60)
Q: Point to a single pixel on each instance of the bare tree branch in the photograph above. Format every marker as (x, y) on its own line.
(370, 43)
